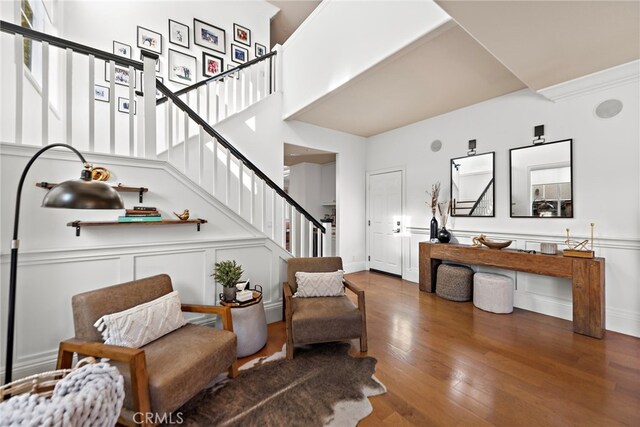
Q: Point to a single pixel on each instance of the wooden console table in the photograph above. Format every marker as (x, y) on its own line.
(587, 275)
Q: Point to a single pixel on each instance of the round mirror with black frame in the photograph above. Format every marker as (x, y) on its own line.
(541, 180)
(473, 185)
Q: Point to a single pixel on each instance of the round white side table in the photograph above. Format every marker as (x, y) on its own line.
(249, 325)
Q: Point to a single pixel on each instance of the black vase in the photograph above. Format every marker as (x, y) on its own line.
(444, 236)
(433, 235)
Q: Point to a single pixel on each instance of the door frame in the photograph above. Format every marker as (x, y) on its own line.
(403, 176)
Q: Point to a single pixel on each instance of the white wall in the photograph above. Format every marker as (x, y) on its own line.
(606, 172)
(305, 185)
(259, 133)
(355, 36)
(54, 264)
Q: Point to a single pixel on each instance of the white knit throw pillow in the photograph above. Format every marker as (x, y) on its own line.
(319, 284)
(143, 323)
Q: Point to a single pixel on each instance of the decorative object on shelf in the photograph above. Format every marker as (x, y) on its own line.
(211, 65)
(538, 132)
(241, 34)
(444, 209)
(101, 93)
(260, 50)
(121, 49)
(149, 40)
(548, 248)
(209, 36)
(434, 193)
(182, 67)
(80, 193)
(239, 54)
(579, 249)
(100, 173)
(184, 215)
(482, 240)
(228, 273)
(179, 34)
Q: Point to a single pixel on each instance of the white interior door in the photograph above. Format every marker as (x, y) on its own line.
(385, 223)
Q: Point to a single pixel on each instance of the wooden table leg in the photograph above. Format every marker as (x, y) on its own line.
(588, 297)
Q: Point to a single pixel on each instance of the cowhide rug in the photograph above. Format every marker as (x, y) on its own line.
(321, 386)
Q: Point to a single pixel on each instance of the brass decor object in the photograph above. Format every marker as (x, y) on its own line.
(183, 216)
(579, 249)
(482, 240)
(99, 173)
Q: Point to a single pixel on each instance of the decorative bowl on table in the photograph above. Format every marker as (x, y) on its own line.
(482, 240)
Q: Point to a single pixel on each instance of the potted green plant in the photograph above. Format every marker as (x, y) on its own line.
(227, 273)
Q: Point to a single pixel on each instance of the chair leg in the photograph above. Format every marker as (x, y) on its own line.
(289, 350)
(233, 369)
(363, 343)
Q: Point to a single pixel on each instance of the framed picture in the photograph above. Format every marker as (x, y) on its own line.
(124, 105)
(182, 67)
(211, 65)
(209, 36)
(239, 54)
(241, 34)
(121, 49)
(101, 93)
(260, 50)
(157, 61)
(121, 76)
(149, 40)
(178, 34)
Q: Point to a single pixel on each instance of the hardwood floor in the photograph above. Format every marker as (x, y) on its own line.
(448, 363)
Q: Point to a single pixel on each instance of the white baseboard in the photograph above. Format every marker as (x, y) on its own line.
(352, 267)
(274, 313)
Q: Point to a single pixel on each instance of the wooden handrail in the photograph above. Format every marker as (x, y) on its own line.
(237, 154)
(10, 28)
(218, 76)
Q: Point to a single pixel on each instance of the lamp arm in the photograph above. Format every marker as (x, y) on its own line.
(15, 243)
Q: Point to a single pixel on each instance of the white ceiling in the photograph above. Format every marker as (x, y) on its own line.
(292, 14)
(495, 47)
(294, 154)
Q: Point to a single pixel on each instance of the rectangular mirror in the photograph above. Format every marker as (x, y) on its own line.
(541, 180)
(472, 185)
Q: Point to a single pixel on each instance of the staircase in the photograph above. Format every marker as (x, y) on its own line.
(176, 127)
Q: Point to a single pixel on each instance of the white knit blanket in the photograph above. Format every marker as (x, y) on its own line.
(88, 396)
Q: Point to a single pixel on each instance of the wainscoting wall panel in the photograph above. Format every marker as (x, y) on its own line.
(48, 279)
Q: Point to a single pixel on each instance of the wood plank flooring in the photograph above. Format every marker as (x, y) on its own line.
(448, 363)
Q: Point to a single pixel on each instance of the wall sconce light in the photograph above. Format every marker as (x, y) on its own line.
(538, 132)
(472, 148)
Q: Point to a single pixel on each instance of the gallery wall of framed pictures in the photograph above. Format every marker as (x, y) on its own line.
(189, 51)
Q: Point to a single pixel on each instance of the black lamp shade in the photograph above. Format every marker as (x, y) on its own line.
(82, 194)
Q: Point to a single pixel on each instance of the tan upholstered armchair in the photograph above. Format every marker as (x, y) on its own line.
(322, 319)
(164, 374)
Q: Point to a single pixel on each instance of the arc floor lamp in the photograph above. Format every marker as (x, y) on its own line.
(82, 193)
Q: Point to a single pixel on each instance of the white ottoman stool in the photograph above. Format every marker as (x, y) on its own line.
(493, 292)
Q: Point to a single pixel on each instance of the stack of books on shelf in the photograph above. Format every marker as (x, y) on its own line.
(141, 214)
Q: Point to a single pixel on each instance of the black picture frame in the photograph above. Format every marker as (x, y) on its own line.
(123, 108)
(206, 58)
(119, 75)
(241, 34)
(121, 49)
(177, 33)
(239, 54)
(260, 50)
(209, 36)
(453, 164)
(187, 75)
(102, 96)
(149, 40)
(571, 208)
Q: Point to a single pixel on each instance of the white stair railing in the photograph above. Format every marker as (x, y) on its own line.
(109, 113)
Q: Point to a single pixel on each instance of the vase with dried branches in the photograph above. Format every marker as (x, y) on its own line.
(444, 209)
(434, 193)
